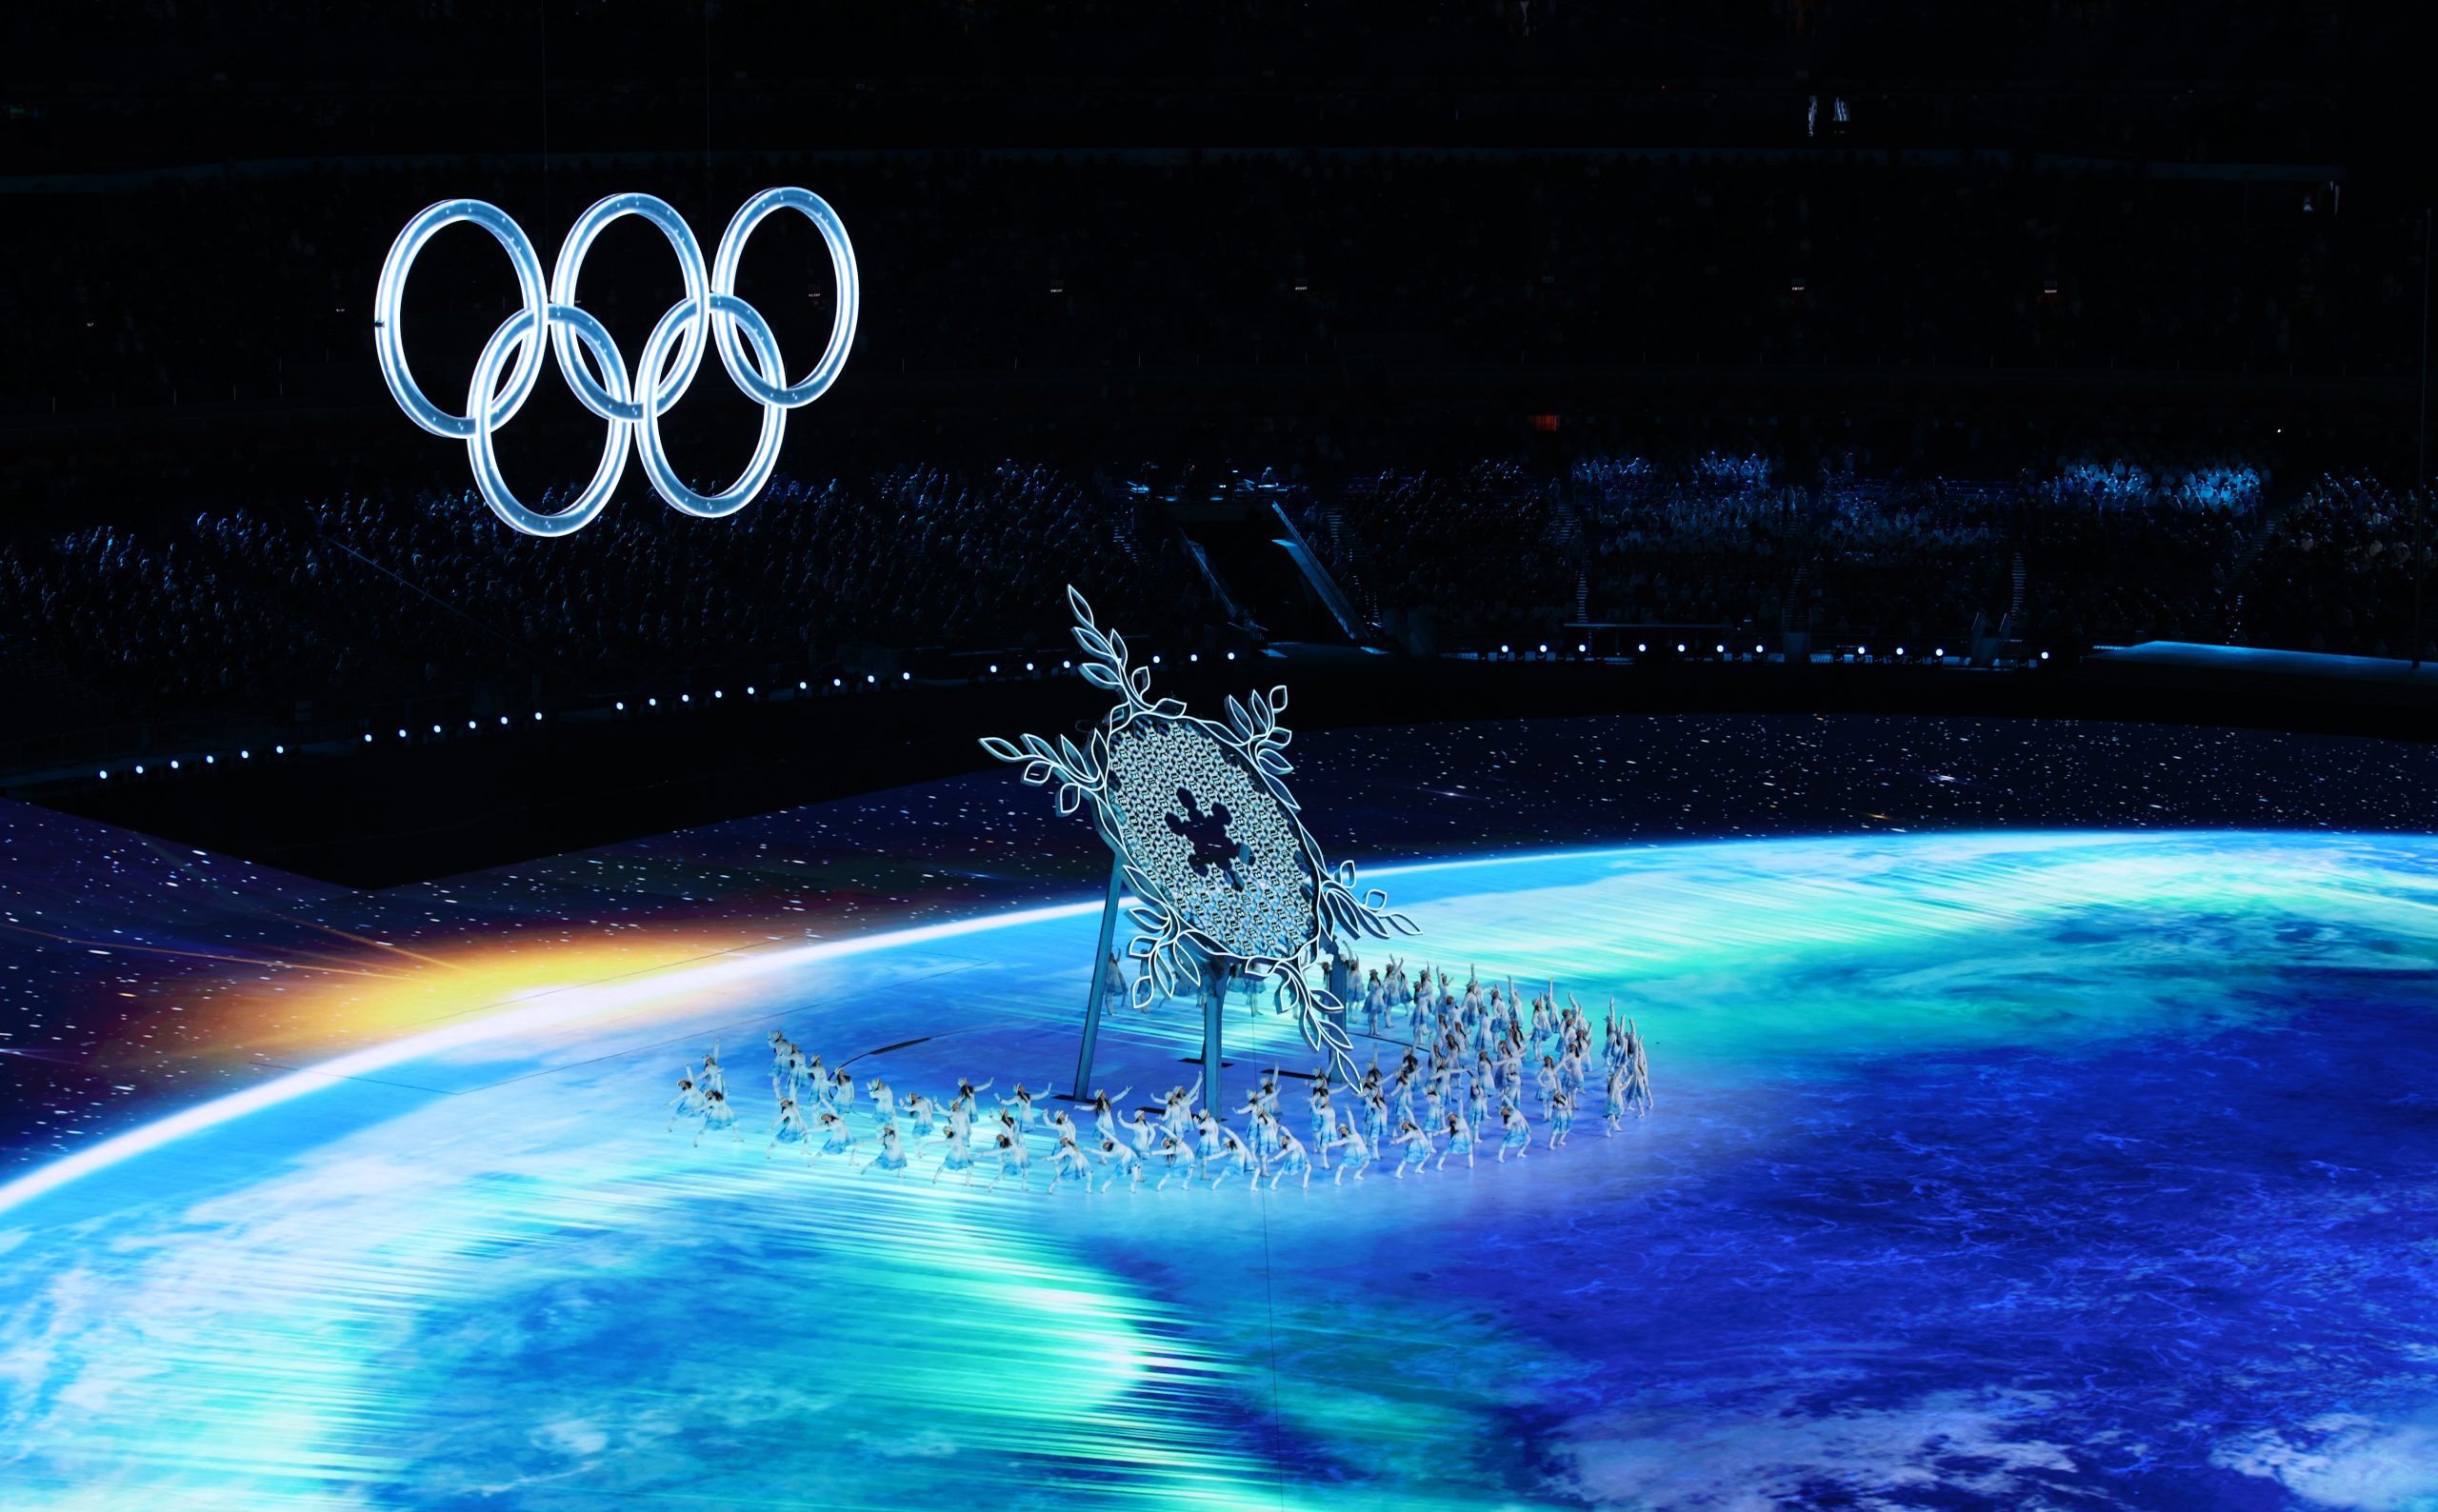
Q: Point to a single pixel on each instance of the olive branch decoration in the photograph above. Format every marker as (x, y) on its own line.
(1171, 947)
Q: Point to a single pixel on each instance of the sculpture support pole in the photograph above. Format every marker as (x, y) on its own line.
(1100, 980)
(1341, 987)
(1215, 1003)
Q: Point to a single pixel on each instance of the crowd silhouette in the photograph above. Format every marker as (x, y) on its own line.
(360, 600)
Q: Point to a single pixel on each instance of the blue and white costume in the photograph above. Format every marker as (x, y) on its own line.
(959, 1155)
(1120, 1159)
(1460, 1142)
(689, 1099)
(1515, 1135)
(1358, 1152)
(1291, 1160)
(717, 1115)
(1013, 1160)
(1067, 1160)
(892, 1152)
(790, 1130)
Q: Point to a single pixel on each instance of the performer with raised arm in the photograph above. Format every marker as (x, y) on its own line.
(1231, 1154)
(1460, 1142)
(1358, 1152)
(1105, 1111)
(836, 1136)
(790, 1130)
(783, 1055)
(967, 1095)
(1416, 1143)
(1323, 1122)
(1068, 1158)
(1291, 1160)
(1174, 1157)
(1210, 1139)
(1120, 1159)
(1638, 1082)
(1013, 1160)
(1061, 1126)
(690, 1099)
(718, 1116)
(892, 1153)
(958, 1158)
(1178, 1106)
(1516, 1133)
(1021, 1105)
(1144, 1134)
(1561, 1119)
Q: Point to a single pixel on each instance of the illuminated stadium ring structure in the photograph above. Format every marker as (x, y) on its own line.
(711, 314)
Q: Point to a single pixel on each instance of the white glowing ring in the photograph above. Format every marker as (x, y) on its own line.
(631, 403)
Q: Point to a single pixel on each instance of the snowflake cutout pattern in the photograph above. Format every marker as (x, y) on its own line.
(1211, 841)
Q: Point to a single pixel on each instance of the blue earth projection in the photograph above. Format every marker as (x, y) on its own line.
(2025, 1169)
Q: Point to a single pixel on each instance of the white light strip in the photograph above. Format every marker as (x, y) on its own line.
(553, 1010)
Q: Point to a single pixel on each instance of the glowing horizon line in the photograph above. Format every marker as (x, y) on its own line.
(592, 999)
(563, 1006)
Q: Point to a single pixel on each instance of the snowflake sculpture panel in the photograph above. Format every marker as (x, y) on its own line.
(1208, 838)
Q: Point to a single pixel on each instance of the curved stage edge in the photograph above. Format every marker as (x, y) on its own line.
(2026, 1168)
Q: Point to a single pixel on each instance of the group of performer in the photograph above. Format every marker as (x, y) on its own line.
(1474, 1062)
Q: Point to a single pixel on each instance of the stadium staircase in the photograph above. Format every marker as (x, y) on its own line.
(1274, 587)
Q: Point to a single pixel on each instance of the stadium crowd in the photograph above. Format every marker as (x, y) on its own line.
(359, 601)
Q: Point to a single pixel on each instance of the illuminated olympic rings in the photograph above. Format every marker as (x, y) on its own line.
(711, 307)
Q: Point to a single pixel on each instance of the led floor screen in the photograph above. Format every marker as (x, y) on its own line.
(1996, 1158)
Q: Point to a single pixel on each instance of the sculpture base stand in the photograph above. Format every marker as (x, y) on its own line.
(1082, 1088)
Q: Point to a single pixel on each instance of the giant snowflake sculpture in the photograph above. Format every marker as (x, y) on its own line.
(1210, 840)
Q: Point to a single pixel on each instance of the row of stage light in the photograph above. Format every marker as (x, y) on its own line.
(1718, 651)
(155, 767)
